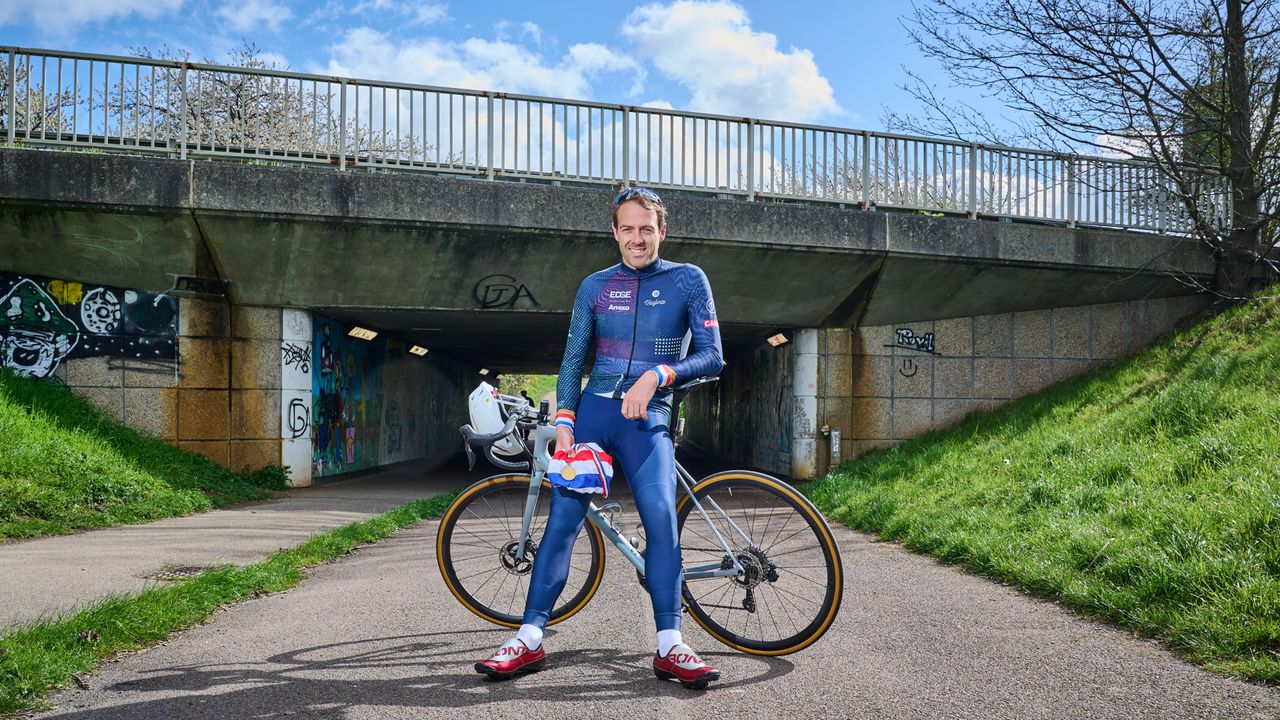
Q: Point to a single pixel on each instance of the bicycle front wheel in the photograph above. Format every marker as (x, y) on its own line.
(793, 578)
(477, 547)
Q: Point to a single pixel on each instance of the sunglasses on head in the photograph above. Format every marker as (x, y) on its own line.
(631, 193)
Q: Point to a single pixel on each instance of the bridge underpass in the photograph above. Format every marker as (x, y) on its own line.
(900, 322)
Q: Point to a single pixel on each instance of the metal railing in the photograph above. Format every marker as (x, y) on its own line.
(185, 109)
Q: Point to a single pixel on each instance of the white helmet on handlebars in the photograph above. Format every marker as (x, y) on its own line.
(487, 408)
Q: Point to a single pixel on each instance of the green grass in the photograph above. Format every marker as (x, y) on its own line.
(1147, 493)
(536, 385)
(64, 465)
(47, 655)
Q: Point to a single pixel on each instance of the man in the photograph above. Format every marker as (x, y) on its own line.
(640, 317)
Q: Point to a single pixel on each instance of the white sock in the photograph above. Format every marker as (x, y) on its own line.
(668, 639)
(530, 635)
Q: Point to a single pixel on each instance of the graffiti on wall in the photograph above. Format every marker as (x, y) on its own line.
(298, 419)
(907, 339)
(501, 291)
(346, 400)
(44, 322)
(297, 356)
(395, 430)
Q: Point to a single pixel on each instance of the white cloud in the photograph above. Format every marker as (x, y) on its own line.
(477, 64)
(728, 67)
(59, 18)
(247, 15)
(418, 13)
(428, 14)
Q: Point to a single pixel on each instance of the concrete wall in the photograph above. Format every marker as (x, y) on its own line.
(748, 414)
(887, 383)
(232, 382)
(373, 403)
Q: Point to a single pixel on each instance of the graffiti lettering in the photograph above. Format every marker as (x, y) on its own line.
(298, 356)
(906, 338)
(496, 291)
(299, 418)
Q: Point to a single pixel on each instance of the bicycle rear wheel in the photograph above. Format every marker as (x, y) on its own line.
(793, 582)
(476, 550)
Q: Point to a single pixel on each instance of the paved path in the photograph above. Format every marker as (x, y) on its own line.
(51, 576)
(376, 635)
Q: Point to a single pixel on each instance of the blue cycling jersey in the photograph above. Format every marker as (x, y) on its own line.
(640, 320)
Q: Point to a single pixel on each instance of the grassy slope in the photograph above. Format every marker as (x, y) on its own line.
(1147, 493)
(63, 465)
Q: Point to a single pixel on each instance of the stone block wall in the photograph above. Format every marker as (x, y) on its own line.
(748, 414)
(219, 397)
(231, 382)
(888, 383)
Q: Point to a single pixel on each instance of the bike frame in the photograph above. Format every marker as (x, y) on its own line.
(544, 438)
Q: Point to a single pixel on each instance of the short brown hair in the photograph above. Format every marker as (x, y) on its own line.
(648, 200)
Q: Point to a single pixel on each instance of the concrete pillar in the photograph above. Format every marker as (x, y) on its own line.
(804, 448)
(296, 361)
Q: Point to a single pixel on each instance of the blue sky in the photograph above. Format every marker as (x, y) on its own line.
(802, 61)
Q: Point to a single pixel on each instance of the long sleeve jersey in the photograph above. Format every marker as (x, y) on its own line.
(639, 320)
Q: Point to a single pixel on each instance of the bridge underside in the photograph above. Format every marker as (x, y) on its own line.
(486, 272)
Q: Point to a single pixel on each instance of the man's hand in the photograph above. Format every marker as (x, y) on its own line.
(635, 404)
(564, 438)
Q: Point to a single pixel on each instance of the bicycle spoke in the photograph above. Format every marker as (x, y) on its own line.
(458, 560)
(490, 571)
(798, 576)
(792, 552)
(790, 615)
(796, 595)
(484, 519)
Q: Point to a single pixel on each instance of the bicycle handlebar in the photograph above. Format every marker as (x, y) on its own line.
(471, 437)
(688, 385)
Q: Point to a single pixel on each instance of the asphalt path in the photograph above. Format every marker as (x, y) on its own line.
(377, 635)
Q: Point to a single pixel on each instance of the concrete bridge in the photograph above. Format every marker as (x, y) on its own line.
(210, 303)
(900, 322)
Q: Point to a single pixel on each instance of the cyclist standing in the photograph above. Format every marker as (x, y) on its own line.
(640, 317)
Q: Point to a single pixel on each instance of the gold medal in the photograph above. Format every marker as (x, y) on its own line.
(568, 473)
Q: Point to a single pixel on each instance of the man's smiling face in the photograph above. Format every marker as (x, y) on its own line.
(638, 234)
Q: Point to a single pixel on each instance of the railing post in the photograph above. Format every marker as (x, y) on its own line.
(342, 127)
(1071, 191)
(973, 181)
(489, 173)
(751, 160)
(11, 74)
(867, 195)
(182, 112)
(626, 145)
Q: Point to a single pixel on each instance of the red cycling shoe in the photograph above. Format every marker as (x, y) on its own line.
(683, 664)
(513, 658)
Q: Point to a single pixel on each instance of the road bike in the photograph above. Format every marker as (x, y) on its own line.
(762, 572)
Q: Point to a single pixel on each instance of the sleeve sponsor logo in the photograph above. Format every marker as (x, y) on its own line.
(711, 323)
